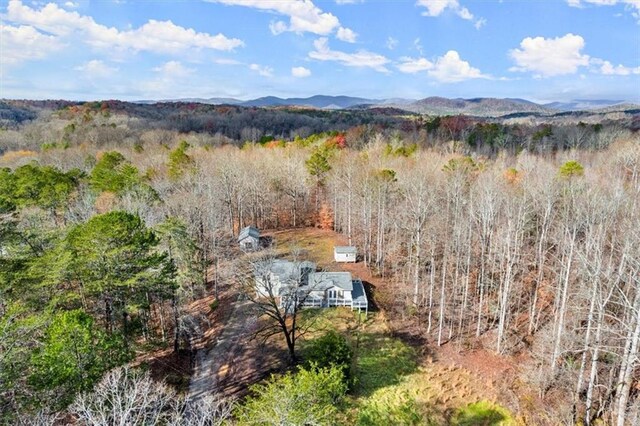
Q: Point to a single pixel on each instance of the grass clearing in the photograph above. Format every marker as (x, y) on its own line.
(482, 413)
(393, 388)
(315, 244)
(381, 361)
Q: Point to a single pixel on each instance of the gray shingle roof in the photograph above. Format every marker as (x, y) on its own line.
(358, 294)
(284, 270)
(325, 280)
(345, 250)
(249, 231)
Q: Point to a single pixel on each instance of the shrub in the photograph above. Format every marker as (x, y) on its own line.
(330, 350)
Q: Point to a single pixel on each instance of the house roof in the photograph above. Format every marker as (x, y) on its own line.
(358, 294)
(326, 280)
(249, 231)
(344, 250)
(285, 270)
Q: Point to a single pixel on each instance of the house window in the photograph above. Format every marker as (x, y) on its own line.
(332, 294)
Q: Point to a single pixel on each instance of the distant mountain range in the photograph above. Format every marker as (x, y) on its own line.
(582, 104)
(477, 106)
(483, 107)
(318, 101)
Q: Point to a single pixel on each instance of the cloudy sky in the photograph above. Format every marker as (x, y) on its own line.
(542, 50)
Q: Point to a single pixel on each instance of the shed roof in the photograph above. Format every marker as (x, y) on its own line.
(326, 280)
(249, 231)
(344, 250)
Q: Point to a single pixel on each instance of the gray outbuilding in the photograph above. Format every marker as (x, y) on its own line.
(249, 238)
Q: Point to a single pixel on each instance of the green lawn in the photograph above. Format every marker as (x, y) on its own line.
(483, 413)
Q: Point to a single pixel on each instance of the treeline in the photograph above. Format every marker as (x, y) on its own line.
(524, 251)
(29, 124)
(528, 255)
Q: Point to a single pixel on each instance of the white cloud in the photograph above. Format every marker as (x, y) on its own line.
(579, 3)
(278, 27)
(170, 75)
(547, 57)
(263, 70)
(349, 1)
(414, 65)
(361, 58)
(391, 43)
(448, 68)
(226, 61)
(154, 36)
(300, 72)
(633, 5)
(96, 68)
(304, 16)
(451, 69)
(417, 44)
(24, 43)
(71, 4)
(345, 34)
(437, 7)
(173, 69)
(607, 68)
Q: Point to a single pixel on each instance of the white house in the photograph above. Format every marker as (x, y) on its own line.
(278, 277)
(344, 253)
(287, 281)
(249, 238)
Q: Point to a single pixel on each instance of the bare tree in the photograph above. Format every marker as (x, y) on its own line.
(127, 397)
(278, 289)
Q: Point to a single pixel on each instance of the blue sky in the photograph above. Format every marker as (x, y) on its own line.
(542, 50)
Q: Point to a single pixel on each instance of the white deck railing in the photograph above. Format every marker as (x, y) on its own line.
(314, 302)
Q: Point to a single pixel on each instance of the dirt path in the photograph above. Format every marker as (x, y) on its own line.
(216, 365)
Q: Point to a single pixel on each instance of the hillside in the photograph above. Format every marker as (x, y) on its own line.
(24, 110)
(318, 101)
(584, 104)
(481, 107)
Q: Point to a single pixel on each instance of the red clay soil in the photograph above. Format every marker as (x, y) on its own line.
(175, 368)
(497, 369)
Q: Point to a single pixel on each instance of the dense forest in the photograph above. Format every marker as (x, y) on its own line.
(518, 236)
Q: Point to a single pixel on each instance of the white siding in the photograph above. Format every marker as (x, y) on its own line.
(345, 257)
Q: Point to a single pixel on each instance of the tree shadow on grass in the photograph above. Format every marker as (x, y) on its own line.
(381, 361)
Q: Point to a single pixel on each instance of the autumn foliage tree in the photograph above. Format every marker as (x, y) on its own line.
(325, 217)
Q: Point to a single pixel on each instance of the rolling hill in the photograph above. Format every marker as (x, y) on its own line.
(318, 101)
(482, 107)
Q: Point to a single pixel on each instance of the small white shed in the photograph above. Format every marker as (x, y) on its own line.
(344, 253)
